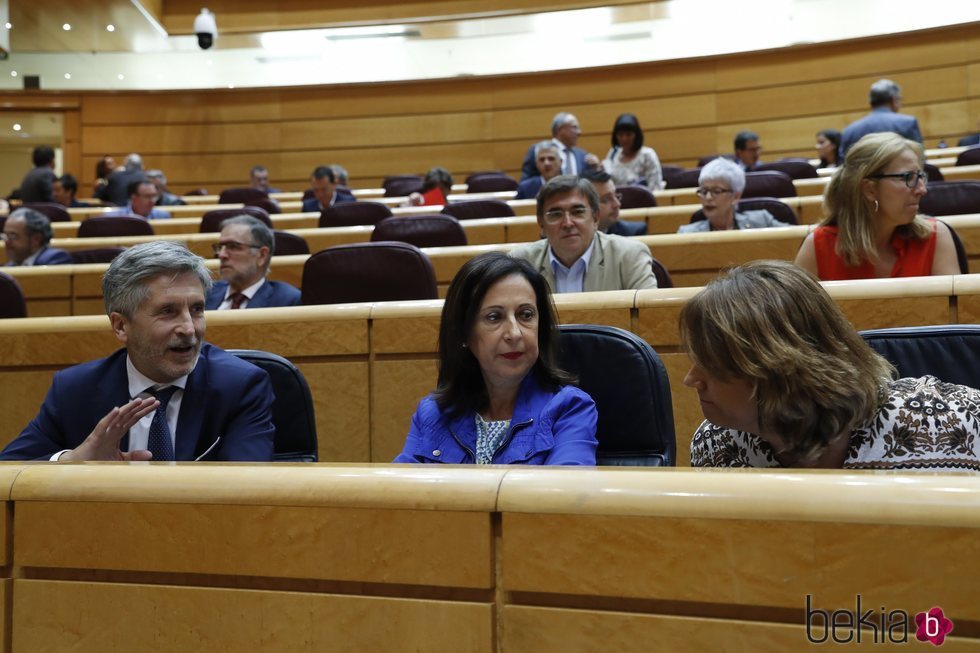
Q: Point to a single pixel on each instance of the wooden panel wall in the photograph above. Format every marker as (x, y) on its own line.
(690, 108)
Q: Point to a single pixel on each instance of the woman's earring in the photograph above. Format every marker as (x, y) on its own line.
(464, 344)
(876, 206)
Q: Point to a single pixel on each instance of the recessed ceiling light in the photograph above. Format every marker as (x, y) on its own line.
(121, 76)
(66, 27)
(8, 25)
(13, 73)
(231, 86)
(67, 75)
(16, 126)
(110, 28)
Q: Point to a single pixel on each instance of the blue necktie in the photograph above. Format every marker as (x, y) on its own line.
(159, 443)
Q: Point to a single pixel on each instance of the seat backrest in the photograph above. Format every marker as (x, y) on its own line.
(705, 160)
(241, 194)
(55, 212)
(349, 214)
(289, 244)
(476, 209)
(795, 168)
(950, 352)
(196, 192)
(768, 183)
(292, 410)
(969, 156)
(661, 274)
(401, 185)
(961, 258)
(96, 255)
(109, 226)
(12, 302)
(382, 271)
(628, 382)
(933, 172)
(490, 182)
(669, 172)
(267, 204)
(211, 221)
(636, 197)
(951, 198)
(779, 209)
(421, 230)
(684, 179)
(483, 173)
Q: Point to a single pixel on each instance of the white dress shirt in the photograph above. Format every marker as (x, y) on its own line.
(248, 292)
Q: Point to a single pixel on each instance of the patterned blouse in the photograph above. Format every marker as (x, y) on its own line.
(923, 425)
(489, 435)
(645, 165)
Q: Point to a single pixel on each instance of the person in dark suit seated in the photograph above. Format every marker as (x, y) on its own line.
(785, 381)
(26, 235)
(258, 177)
(720, 187)
(501, 397)
(164, 196)
(116, 189)
(609, 205)
(325, 191)
(36, 186)
(547, 159)
(967, 141)
(167, 395)
(142, 201)
(747, 150)
(565, 131)
(63, 192)
(245, 248)
(885, 99)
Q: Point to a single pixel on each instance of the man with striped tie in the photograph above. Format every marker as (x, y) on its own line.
(167, 395)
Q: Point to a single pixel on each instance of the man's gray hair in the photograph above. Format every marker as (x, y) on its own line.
(124, 284)
(157, 174)
(35, 223)
(259, 231)
(883, 92)
(339, 173)
(540, 146)
(725, 170)
(133, 162)
(563, 184)
(560, 119)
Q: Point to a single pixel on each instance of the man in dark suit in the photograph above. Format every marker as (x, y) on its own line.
(36, 186)
(564, 132)
(26, 234)
(967, 141)
(747, 150)
(885, 98)
(167, 395)
(117, 187)
(64, 190)
(547, 159)
(609, 205)
(325, 191)
(245, 249)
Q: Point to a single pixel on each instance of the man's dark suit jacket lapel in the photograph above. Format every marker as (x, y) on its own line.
(262, 296)
(192, 407)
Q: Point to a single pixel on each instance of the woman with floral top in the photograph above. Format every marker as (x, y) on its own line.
(785, 381)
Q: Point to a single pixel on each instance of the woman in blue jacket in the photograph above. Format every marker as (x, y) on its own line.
(501, 397)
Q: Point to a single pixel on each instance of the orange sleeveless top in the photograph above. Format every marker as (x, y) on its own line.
(914, 257)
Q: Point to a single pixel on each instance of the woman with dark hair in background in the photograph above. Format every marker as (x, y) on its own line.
(828, 147)
(785, 381)
(103, 169)
(501, 397)
(629, 161)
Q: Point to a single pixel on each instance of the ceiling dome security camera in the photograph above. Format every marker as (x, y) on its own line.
(205, 28)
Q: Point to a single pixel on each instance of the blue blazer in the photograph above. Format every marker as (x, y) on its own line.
(549, 427)
(528, 189)
(227, 403)
(52, 256)
(270, 293)
(528, 169)
(628, 228)
(313, 204)
(881, 119)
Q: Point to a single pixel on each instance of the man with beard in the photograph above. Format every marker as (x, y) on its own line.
(167, 395)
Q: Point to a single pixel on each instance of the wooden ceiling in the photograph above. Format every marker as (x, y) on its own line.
(38, 25)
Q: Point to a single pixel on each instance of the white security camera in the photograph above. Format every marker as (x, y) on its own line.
(206, 29)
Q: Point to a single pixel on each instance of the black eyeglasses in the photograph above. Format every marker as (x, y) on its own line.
(911, 178)
(232, 246)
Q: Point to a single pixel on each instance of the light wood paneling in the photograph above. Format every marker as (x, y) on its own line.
(108, 618)
(397, 387)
